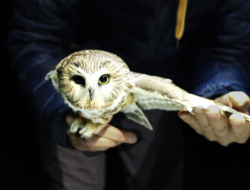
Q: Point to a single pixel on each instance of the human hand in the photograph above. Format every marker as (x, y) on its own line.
(106, 138)
(215, 127)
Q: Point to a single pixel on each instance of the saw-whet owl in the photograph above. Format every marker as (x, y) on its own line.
(99, 84)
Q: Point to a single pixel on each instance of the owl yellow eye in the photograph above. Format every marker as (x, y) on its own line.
(79, 80)
(104, 79)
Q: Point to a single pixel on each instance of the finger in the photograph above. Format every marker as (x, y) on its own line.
(240, 128)
(218, 124)
(240, 101)
(97, 143)
(224, 100)
(77, 141)
(201, 118)
(190, 120)
(204, 124)
(119, 135)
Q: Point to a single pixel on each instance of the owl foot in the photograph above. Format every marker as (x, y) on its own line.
(84, 128)
(77, 124)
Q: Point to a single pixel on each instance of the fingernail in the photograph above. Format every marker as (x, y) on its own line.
(132, 138)
(237, 123)
(239, 97)
(198, 110)
(212, 115)
(237, 119)
(212, 111)
(183, 116)
(237, 116)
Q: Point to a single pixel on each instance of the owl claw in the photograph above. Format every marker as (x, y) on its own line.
(83, 130)
(86, 129)
(73, 129)
(86, 136)
(78, 123)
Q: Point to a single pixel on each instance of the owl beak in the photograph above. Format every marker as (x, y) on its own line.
(91, 93)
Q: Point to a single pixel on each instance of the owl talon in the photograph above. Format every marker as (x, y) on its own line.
(78, 123)
(88, 129)
(86, 136)
(85, 129)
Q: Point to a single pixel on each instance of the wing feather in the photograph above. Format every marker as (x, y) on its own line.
(159, 93)
(134, 113)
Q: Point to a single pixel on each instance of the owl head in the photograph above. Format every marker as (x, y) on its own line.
(91, 79)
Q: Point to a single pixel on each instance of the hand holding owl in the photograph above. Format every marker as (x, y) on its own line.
(215, 127)
(107, 138)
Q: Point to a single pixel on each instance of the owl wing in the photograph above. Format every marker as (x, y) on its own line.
(159, 93)
(134, 113)
(153, 93)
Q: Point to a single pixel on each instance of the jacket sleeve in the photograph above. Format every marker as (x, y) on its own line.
(220, 59)
(40, 34)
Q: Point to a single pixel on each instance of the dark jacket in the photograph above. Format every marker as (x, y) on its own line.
(213, 57)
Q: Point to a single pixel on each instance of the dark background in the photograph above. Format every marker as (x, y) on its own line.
(20, 165)
(207, 165)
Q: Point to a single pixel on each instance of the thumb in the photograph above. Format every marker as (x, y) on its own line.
(240, 101)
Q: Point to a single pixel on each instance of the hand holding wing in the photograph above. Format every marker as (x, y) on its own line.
(217, 122)
(223, 129)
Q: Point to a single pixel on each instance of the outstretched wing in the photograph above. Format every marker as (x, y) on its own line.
(159, 93)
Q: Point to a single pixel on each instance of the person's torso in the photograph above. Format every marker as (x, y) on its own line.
(142, 33)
